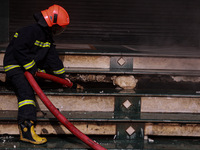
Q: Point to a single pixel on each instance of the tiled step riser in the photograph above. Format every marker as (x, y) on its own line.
(136, 62)
(1, 59)
(150, 129)
(170, 105)
(106, 62)
(2, 77)
(166, 63)
(65, 103)
(107, 103)
(167, 129)
(86, 61)
(47, 128)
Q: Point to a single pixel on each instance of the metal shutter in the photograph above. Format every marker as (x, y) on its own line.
(146, 22)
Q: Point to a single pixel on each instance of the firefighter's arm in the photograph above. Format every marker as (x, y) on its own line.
(25, 39)
(55, 63)
(57, 67)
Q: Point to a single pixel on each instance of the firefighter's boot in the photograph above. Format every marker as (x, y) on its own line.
(27, 133)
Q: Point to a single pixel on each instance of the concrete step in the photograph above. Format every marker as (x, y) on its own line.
(70, 142)
(107, 103)
(107, 99)
(109, 111)
(103, 63)
(145, 112)
(126, 57)
(120, 126)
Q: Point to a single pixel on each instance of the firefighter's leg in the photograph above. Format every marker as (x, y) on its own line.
(27, 110)
(27, 133)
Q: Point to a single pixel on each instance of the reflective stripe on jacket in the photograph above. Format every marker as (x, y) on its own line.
(32, 48)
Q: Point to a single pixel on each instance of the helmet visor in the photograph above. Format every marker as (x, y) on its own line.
(57, 30)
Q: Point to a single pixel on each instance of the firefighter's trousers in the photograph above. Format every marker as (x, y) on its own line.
(25, 96)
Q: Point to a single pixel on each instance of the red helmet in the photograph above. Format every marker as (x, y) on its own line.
(56, 14)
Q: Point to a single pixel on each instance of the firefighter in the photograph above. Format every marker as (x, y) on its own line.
(32, 49)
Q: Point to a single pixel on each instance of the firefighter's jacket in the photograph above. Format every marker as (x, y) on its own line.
(31, 49)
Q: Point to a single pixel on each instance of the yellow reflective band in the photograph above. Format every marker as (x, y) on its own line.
(29, 65)
(42, 44)
(61, 71)
(16, 35)
(9, 67)
(42, 70)
(27, 102)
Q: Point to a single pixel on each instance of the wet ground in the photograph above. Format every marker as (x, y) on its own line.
(65, 142)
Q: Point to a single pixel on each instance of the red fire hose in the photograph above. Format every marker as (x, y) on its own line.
(65, 82)
(55, 111)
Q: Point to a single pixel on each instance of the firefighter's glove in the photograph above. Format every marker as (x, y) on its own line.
(77, 86)
(67, 80)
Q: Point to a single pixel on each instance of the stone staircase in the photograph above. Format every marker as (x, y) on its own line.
(134, 97)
